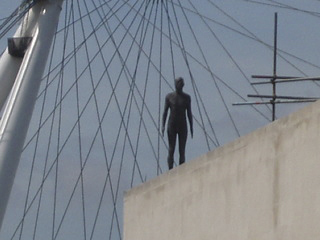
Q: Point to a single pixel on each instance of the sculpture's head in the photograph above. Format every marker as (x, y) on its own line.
(179, 83)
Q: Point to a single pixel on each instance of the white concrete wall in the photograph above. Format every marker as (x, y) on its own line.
(263, 186)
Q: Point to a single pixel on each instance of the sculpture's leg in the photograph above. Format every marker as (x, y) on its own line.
(182, 146)
(172, 144)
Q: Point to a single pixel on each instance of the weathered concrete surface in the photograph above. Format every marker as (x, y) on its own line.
(263, 186)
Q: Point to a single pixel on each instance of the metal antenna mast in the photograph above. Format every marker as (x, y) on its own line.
(21, 69)
(274, 79)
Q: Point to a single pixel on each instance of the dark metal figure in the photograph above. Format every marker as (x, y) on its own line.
(179, 104)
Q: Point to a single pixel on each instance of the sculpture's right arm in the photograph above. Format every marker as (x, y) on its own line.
(165, 113)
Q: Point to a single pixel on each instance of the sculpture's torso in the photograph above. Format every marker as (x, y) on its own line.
(178, 103)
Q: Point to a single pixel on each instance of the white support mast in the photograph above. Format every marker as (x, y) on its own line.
(10, 65)
(20, 104)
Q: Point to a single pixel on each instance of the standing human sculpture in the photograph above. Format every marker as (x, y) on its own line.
(179, 104)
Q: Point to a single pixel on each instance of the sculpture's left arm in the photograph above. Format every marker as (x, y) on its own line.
(189, 113)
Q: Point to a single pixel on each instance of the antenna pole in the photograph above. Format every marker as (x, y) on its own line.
(17, 115)
(274, 78)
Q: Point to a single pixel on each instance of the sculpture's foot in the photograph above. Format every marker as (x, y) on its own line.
(170, 163)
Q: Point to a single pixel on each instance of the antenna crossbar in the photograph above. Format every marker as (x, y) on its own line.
(282, 79)
(282, 97)
(275, 102)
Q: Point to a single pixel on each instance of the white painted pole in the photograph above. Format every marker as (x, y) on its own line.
(15, 121)
(9, 65)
